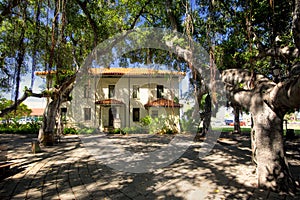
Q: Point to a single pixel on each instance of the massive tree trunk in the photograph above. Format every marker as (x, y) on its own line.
(272, 167)
(60, 95)
(267, 102)
(47, 131)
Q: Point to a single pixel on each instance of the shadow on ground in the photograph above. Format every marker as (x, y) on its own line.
(68, 171)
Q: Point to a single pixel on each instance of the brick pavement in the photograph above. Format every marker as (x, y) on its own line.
(68, 171)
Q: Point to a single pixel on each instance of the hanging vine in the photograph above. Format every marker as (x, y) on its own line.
(188, 22)
(35, 41)
(21, 50)
(53, 39)
(211, 42)
(59, 128)
(61, 42)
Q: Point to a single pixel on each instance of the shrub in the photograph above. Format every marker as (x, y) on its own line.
(146, 121)
(130, 130)
(117, 131)
(163, 125)
(72, 131)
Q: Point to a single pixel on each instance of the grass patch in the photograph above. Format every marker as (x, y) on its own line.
(297, 131)
(247, 129)
(230, 129)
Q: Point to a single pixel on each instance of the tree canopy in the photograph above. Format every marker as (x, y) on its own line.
(46, 35)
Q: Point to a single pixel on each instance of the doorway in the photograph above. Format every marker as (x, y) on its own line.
(111, 113)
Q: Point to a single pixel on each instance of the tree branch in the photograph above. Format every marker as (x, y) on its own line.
(243, 87)
(285, 52)
(7, 10)
(227, 8)
(171, 16)
(234, 77)
(67, 83)
(29, 93)
(242, 98)
(285, 95)
(281, 97)
(296, 24)
(139, 14)
(26, 94)
(92, 22)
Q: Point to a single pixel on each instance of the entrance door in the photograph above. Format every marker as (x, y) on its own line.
(111, 117)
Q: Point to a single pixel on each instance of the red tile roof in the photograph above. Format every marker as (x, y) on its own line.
(163, 103)
(121, 72)
(37, 111)
(109, 102)
(43, 73)
(132, 71)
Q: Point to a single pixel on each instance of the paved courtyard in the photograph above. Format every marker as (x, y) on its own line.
(69, 171)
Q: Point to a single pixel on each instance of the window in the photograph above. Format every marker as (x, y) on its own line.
(87, 91)
(136, 92)
(154, 114)
(111, 91)
(136, 114)
(160, 91)
(87, 114)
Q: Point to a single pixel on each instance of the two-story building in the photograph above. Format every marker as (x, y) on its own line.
(107, 98)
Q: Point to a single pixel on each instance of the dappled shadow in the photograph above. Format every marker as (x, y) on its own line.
(68, 171)
(142, 142)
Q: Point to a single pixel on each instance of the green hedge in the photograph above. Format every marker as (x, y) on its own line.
(16, 128)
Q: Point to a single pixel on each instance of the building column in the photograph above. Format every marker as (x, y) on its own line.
(100, 119)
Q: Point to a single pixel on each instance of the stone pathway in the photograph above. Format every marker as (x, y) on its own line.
(68, 171)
